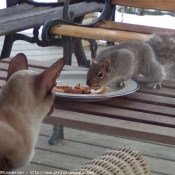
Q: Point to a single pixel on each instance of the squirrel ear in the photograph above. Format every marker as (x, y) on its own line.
(93, 61)
(106, 65)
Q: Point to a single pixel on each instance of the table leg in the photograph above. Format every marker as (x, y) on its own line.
(57, 135)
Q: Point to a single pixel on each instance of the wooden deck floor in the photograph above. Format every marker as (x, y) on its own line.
(80, 146)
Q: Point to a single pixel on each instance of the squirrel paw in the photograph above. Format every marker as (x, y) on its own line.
(122, 83)
(154, 86)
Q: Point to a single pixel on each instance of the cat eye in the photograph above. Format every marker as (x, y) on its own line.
(100, 75)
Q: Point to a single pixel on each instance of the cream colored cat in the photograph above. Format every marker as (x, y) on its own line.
(25, 100)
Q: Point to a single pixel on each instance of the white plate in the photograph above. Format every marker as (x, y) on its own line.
(72, 78)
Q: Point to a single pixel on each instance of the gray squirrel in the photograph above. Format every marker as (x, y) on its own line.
(154, 59)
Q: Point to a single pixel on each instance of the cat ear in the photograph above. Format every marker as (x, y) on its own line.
(93, 61)
(106, 65)
(47, 79)
(19, 62)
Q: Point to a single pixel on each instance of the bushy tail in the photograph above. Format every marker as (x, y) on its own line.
(163, 45)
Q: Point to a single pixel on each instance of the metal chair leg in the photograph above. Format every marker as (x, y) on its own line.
(57, 135)
(7, 47)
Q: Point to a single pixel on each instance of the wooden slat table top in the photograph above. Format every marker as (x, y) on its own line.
(146, 114)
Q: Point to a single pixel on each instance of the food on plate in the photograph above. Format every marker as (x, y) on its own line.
(78, 89)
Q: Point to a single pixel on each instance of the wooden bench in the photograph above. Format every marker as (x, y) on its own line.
(146, 114)
(106, 29)
(21, 15)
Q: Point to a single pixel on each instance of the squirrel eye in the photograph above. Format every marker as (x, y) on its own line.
(100, 75)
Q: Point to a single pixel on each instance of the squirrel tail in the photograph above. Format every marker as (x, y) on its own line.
(163, 45)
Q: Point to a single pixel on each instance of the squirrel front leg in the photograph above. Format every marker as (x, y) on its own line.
(124, 66)
(122, 82)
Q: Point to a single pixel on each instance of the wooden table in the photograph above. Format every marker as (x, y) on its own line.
(146, 114)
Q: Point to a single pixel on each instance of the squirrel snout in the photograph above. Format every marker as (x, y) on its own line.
(88, 83)
(92, 83)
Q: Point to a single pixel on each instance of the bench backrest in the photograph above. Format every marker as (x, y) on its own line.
(119, 31)
(167, 5)
(164, 5)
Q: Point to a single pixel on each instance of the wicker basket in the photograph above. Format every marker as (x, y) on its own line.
(116, 161)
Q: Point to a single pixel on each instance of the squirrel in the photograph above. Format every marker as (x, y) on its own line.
(154, 59)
